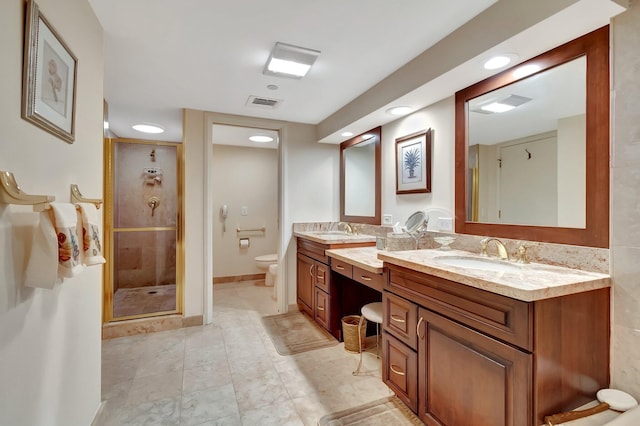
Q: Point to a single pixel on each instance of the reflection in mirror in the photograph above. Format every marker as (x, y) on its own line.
(527, 150)
(360, 178)
(359, 172)
(565, 197)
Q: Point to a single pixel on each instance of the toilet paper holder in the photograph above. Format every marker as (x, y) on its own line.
(243, 243)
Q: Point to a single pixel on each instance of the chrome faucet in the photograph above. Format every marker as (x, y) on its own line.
(502, 250)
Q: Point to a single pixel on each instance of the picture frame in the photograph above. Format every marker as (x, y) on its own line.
(48, 77)
(413, 163)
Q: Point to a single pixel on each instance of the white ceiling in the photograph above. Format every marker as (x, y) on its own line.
(165, 55)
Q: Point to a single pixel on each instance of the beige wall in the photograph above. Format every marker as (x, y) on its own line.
(625, 199)
(307, 185)
(49, 339)
(440, 118)
(248, 177)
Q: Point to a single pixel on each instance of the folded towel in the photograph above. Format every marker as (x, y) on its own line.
(92, 248)
(42, 265)
(66, 223)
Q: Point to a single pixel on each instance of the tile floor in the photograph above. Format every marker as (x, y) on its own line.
(228, 372)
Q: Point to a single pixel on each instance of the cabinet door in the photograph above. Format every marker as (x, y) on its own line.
(400, 370)
(305, 283)
(466, 377)
(322, 308)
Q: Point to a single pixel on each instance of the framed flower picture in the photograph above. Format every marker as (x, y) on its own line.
(413, 163)
(48, 77)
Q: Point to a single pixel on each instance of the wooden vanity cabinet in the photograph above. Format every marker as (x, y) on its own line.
(305, 284)
(487, 359)
(317, 294)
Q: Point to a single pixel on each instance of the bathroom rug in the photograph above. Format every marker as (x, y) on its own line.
(294, 332)
(383, 412)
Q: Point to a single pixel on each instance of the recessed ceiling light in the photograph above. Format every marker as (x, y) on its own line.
(499, 61)
(367, 136)
(260, 138)
(526, 70)
(400, 110)
(497, 107)
(346, 134)
(148, 128)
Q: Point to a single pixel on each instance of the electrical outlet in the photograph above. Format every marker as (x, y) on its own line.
(387, 219)
(245, 210)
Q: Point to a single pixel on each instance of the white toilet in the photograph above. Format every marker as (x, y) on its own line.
(269, 264)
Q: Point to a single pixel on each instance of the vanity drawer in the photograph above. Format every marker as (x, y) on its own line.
(507, 319)
(323, 276)
(367, 278)
(400, 370)
(342, 268)
(400, 318)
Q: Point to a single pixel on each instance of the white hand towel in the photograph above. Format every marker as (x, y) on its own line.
(42, 265)
(91, 245)
(66, 223)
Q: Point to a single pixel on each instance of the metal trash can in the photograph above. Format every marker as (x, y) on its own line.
(350, 333)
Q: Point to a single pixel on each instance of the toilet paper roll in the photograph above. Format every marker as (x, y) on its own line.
(244, 243)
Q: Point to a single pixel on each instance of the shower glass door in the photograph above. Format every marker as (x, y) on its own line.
(144, 238)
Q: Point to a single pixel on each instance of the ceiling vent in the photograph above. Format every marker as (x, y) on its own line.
(268, 103)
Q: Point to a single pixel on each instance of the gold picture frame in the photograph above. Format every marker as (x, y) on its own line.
(48, 77)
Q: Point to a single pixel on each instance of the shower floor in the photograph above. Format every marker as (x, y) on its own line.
(143, 300)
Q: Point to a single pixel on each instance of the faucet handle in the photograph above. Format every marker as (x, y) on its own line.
(483, 247)
(521, 254)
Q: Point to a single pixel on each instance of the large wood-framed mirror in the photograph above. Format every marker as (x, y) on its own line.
(579, 170)
(360, 160)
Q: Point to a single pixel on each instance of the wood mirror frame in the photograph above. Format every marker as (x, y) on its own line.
(595, 46)
(377, 217)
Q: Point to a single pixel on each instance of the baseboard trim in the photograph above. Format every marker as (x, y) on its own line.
(133, 327)
(96, 417)
(237, 278)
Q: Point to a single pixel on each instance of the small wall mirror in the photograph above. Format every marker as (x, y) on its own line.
(417, 222)
(360, 178)
(532, 148)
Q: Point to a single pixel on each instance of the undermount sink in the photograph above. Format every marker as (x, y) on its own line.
(477, 263)
(332, 233)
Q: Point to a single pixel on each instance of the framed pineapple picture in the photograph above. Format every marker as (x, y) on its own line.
(413, 163)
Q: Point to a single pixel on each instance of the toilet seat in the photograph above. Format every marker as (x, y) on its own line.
(267, 258)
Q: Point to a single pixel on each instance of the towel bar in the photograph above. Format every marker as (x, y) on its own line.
(76, 197)
(12, 194)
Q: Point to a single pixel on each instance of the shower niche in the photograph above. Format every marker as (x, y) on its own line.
(143, 232)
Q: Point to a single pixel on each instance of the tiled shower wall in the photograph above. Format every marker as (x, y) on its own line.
(144, 258)
(625, 201)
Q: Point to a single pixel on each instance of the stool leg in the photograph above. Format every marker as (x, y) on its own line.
(377, 336)
(357, 370)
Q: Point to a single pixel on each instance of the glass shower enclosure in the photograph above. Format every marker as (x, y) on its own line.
(143, 229)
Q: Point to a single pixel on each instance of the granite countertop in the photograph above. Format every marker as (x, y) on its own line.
(334, 237)
(526, 282)
(362, 257)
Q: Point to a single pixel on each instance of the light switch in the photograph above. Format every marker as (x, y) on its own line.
(245, 210)
(387, 219)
